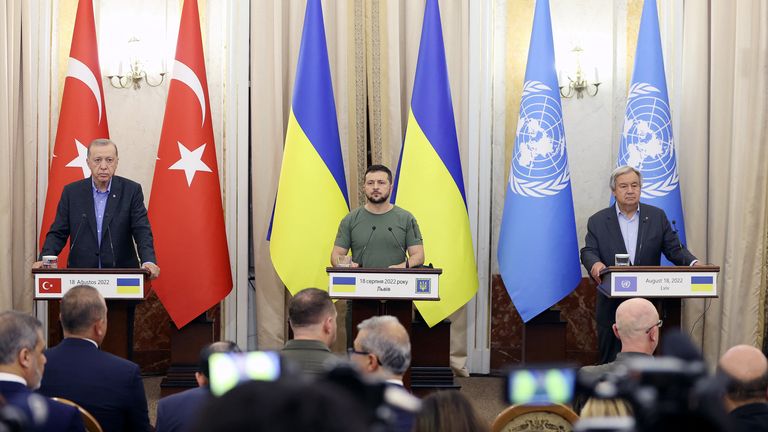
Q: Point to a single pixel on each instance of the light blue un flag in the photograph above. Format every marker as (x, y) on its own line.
(646, 139)
(538, 248)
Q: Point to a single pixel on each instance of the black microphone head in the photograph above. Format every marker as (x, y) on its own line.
(373, 227)
(389, 228)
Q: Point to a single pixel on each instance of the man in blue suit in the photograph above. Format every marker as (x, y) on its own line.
(21, 366)
(103, 216)
(629, 227)
(107, 386)
(175, 413)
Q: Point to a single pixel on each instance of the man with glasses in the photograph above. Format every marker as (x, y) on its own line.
(637, 326)
(633, 228)
(382, 350)
(102, 216)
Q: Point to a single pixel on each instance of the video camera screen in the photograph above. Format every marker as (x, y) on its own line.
(540, 385)
(227, 370)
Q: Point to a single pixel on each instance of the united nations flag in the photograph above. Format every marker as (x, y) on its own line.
(646, 140)
(538, 249)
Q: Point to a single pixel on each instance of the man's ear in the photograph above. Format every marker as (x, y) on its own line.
(202, 381)
(25, 357)
(616, 331)
(329, 323)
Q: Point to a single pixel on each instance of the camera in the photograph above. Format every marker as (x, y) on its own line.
(665, 393)
(540, 385)
(229, 369)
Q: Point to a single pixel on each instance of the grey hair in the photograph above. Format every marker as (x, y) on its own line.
(393, 352)
(101, 142)
(17, 331)
(624, 169)
(81, 306)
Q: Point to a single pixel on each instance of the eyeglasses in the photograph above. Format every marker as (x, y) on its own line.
(658, 324)
(352, 351)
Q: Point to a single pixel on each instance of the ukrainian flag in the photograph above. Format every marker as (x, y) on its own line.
(344, 284)
(312, 193)
(429, 180)
(128, 286)
(702, 283)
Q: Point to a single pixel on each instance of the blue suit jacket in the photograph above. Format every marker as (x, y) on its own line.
(108, 386)
(125, 221)
(177, 412)
(60, 417)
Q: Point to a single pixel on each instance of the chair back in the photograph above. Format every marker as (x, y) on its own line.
(90, 422)
(549, 418)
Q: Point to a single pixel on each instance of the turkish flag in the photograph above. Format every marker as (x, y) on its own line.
(49, 285)
(82, 119)
(185, 204)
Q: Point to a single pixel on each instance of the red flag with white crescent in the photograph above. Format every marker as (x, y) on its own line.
(185, 207)
(83, 117)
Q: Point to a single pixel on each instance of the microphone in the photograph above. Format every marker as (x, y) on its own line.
(74, 239)
(642, 237)
(111, 247)
(399, 246)
(360, 257)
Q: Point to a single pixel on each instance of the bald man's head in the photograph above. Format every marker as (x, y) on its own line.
(637, 326)
(747, 371)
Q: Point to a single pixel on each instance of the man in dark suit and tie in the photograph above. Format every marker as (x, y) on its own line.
(22, 362)
(629, 227)
(108, 386)
(177, 412)
(102, 216)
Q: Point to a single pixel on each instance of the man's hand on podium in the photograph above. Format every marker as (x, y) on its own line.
(596, 269)
(154, 270)
(37, 264)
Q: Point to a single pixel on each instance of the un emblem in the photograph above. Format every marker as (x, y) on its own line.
(646, 142)
(423, 286)
(540, 163)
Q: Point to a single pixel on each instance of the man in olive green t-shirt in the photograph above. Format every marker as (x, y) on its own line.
(379, 233)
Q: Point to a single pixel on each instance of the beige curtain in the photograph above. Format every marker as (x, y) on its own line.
(726, 87)
(373, 46)
(17, 158)
(276, 28)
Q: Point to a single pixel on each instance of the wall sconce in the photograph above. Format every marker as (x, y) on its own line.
(579, 85)
(136, 71)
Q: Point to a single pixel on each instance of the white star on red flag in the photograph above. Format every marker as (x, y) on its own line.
(81, 161)
(190, 162)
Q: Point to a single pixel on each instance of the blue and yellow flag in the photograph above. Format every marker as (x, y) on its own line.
(429, 180)
(312, 193)
(538, 247)
(646, 140)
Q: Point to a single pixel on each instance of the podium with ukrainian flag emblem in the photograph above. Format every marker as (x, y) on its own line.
(665, 286)
(392, 291)
(660, 281)
(123, 289)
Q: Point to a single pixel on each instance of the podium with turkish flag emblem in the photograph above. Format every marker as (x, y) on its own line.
(122, 288)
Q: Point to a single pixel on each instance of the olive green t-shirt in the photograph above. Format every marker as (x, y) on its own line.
(382, 249)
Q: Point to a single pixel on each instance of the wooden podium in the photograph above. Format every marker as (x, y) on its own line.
(122, 288)
(672, 284)
(392, 292)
